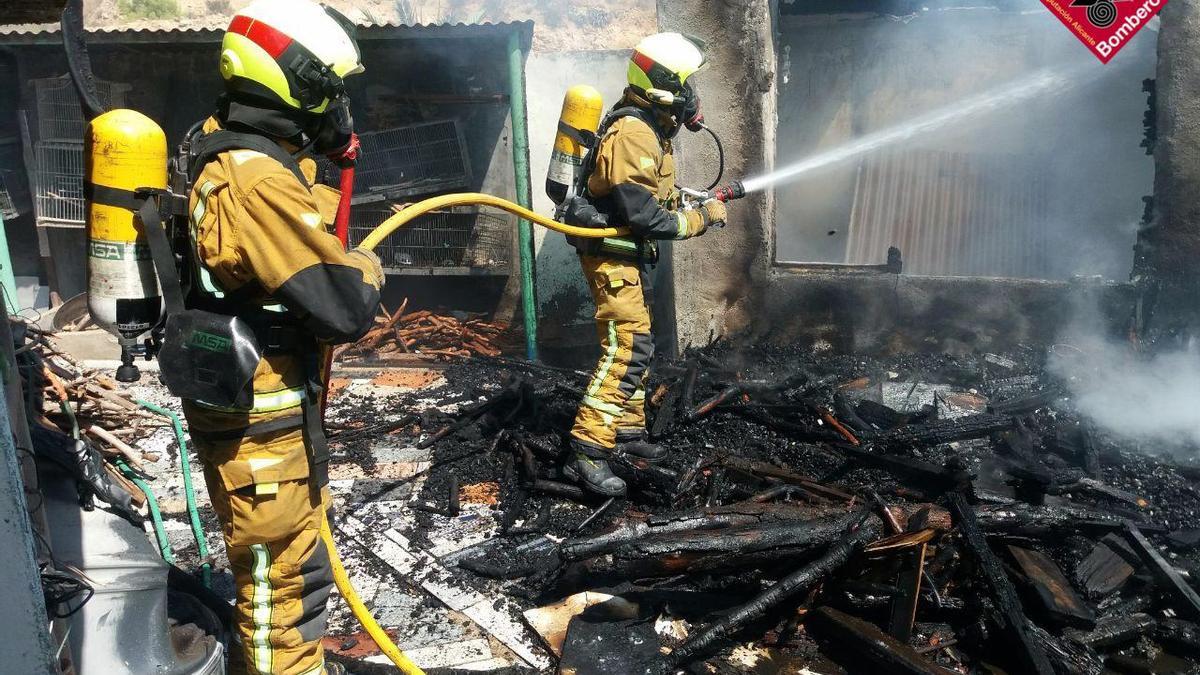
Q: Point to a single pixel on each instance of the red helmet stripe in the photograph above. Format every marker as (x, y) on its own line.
(272, 41)
(644, 62)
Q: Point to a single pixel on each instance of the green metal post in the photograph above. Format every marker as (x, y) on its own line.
(516, 97)
(7, 279)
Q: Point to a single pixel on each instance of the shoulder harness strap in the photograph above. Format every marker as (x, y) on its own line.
(206, 147)
(589, 161)
(629, 111)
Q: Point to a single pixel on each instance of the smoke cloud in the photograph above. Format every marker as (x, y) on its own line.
(1133, 395)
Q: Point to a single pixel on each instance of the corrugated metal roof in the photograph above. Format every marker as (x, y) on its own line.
(952, 214)
(43, 34)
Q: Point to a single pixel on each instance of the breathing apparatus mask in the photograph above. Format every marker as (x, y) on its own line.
(676, 110)
(331, 132)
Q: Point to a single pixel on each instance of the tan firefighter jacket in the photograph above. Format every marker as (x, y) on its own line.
(261, 235)
(634, 182)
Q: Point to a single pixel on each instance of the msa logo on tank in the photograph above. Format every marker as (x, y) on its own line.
(1105, 26)
(117, 250)
(213, 343)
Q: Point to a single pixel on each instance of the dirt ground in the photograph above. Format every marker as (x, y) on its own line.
(560, 26)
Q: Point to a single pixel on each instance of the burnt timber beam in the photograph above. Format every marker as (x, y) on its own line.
(795, 583)
(1009, 616)
(868, 646)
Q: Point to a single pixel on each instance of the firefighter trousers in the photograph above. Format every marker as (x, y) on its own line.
(271, 518)
(615, 399)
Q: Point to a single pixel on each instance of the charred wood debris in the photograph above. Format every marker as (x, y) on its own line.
(801, 517)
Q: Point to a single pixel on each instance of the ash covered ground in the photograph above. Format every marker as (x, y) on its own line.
(453, 589)
(1024, 446)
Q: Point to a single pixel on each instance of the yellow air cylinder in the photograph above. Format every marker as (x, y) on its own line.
(581, 111)
(123, 150)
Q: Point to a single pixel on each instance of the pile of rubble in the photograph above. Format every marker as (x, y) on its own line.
(424, 332)
(916, 514)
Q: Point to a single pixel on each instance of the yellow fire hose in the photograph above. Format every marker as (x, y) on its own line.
(340, 578)
(478, 199)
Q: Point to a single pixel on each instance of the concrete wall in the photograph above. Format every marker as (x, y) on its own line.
(1169, 249)
(565, 306)
(727, 284)
(721, 279)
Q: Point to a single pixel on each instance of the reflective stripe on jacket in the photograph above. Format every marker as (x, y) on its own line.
(259, 231)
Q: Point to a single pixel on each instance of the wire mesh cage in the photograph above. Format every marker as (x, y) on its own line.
(409, 161)
(14, 186)
(59, 117)
(459, 240)
(58, 181)
(58, 151)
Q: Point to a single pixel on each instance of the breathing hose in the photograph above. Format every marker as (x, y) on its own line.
(720, 157)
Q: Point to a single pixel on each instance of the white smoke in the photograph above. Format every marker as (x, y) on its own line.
(1131, 395)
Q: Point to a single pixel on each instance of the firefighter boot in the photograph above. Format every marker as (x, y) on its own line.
(633, 442)
(594, 474)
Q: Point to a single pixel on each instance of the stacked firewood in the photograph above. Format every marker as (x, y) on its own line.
(426, 333)
(88, 402)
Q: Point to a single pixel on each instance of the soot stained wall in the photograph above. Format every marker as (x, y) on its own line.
(727, 284)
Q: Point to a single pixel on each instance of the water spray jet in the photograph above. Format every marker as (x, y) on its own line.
(1042, 82)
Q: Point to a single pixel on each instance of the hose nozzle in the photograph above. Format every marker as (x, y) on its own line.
(730, 192)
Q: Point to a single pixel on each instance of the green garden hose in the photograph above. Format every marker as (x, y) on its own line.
(189, 493)
(164, 544)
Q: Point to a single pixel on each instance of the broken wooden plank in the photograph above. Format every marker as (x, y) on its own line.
(938, 432)
(1068, 657)
(765, 470)
(666, 412)
(1054, 593)
(715, 518)
(931, 476)
(1186, 599)
(869, 647)
(1106, 569)
(1113, 630)
(795, 583)
(1009, 615)
(498, 620)
(908, 582)
(789, 536)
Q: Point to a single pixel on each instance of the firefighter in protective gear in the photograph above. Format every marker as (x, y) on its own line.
(261, 250)
(631, 179)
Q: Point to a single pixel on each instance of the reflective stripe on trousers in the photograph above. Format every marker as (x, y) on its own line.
(260, 604)
(615, 397)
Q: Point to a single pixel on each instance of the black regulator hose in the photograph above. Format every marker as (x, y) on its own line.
(720, 157)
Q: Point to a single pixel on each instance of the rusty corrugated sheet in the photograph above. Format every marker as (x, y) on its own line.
(955, 214)
(48, 33)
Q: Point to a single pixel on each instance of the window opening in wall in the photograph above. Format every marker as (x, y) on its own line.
(1042, 176)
